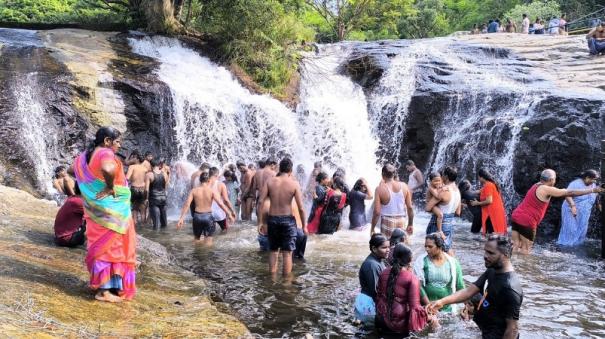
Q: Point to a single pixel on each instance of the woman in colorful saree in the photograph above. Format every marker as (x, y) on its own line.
(110, 232)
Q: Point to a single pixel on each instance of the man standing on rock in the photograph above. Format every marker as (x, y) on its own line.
(136, 177)
(281, 224)
(525, 24)
(247, 193)
(530, 212)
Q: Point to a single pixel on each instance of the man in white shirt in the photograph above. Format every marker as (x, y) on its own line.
(525, 24)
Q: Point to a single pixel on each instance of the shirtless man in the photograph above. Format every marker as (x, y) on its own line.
(165, 167)
(204, 167)
(217, 213)
(281, 224)
(133, 158)
(596, 40)
(392, 204)
(136, 177)
(63, 183)
(147, 161)
(415, 181)
(530, 212)
(203, 196)
(268, 172)
(247, 194)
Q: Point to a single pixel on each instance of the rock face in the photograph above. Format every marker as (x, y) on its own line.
(511, 103)
(75, 81)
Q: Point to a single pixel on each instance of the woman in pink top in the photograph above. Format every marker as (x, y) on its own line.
(530, 212)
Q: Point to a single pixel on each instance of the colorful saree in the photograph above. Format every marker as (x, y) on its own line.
(110, 232)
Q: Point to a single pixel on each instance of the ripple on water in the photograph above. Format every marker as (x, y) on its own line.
(564, 291)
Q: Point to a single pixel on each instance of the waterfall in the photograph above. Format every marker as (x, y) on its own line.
(334, 117)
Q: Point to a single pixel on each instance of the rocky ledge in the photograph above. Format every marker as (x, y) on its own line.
(44, 290)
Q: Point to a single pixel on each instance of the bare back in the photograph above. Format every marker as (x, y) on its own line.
(195, 182)
(136, 175)
(147, 165)
(202, 196)
(247, 181)
(258, 180)
(280, 191)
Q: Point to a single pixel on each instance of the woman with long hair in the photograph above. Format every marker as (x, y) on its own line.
(493, 215)
(319, 201)
(336, 200)
(356, 199)
(110, 232)
(398, 308)
(575, 212)
(439, 273)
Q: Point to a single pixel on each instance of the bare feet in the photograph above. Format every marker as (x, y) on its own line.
(107, 296)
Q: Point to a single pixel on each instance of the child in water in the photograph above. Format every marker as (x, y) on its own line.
(433, 197)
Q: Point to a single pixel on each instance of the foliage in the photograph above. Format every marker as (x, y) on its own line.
(537, 9)
(427, 19)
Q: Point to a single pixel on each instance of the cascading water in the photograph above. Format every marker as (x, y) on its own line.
(33, 124)
(333, 115)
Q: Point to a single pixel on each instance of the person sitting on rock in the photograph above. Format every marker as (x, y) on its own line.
(596, 40)
(70, 227)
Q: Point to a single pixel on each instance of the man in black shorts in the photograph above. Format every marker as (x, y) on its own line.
(497, 313)
(281, 224)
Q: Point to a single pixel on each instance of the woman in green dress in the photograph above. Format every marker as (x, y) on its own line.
(439, 274)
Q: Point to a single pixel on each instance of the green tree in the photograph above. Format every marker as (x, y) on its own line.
(427, 19)
(537, 9)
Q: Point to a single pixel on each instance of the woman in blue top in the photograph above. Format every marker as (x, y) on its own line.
(575, 212)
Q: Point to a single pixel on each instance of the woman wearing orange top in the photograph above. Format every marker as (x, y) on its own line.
(493, 215)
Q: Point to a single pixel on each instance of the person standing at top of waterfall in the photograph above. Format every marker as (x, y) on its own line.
(136, 178)
(202, 196)
(281, 224)
(450, 205)
(415, 181)
(553, 26)
(525, 24)
(493, 215)
(312, 182)
(530, 212)
(596, 39)
(156, 183)
(511, 27)
(269, 172)
(392, 204)
(575, 212)
(492, 27)
(110, 231)
(499, 308)
(63, 183)
(218, 214)
(563, 24)
(247, 192)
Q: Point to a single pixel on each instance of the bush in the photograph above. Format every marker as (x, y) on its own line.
(537, 9)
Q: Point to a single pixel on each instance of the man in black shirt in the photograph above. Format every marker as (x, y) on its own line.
(497, 314)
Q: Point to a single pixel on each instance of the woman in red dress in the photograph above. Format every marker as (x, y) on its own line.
(493, 215)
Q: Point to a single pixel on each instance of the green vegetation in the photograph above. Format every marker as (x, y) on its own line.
(265, 37)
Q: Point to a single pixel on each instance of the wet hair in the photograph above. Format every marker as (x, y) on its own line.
(402, 257)
(204, 177)
(213, 171)
(317, 164)
(58, 170)
(162, 161)
(437, 239)
(285, 165)
(483, 173)
(358, 185)
(410, 163)
(434, 175)
(450, 172)
(204, 166)
(270, 161)
(240, 164)
(504, 244)
(376, 240)
(228, 174)
(464, 185)
(140, 158)
(262, 164)
(102, 133)
(388, 171)
(154, 162)
(77, 188)
(397, 236)
(251, 166)
(321, 176)
(148, 153)
(338, 183)
(589, 174)
(340, 172)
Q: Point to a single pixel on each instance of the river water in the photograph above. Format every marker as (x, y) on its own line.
(564, 292)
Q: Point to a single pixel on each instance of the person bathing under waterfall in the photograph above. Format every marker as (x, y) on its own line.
(392, 204)
(136, 178)
(218, 214)
(202, 198)
(435, 194)
(281, 224)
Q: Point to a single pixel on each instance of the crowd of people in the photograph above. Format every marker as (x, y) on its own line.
(557, 25)
(399, 294)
